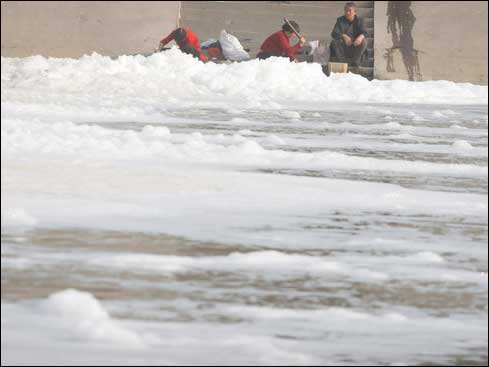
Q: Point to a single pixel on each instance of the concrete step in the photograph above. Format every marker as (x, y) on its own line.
(365, 4)
(368, 22)
(365, 13)
(368, 63)
(370, 42)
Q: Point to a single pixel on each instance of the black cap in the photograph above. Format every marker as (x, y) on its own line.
(286, 27)
(180, 34)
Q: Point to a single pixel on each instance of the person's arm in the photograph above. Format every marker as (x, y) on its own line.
(362, 31)
(359, 40)
(285, 46)
(167, 39)
(291, 51)
(337, 31)
(348, 41)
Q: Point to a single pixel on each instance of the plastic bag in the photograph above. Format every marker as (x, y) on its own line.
(207, 43)
(232, 48)
(320, 53)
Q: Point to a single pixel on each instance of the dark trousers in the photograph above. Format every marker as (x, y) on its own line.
(347, 54)
(264, 55)
(190, 50)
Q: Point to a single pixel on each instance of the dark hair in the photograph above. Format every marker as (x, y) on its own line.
(350, 4)
(180, 34)
(287, 28)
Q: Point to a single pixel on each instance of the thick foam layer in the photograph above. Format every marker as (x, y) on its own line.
(65, 139)
(250, 213)
(172, 78)
(270, 336)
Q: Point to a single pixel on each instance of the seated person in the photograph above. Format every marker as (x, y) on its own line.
(349, 43)
(186, 40)
(278, 44)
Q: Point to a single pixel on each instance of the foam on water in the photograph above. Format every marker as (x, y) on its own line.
(307, 217)
(173, 78)
(266, 263)
(93, 142)
(17, 218)
(462, 145)
(85, 318)
(167, 342)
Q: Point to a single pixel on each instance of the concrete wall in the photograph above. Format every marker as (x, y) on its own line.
(431, 40)
(74, 28)
(253, 21)
(417, 40)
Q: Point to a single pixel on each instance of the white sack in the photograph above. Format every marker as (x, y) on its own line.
(231, 48)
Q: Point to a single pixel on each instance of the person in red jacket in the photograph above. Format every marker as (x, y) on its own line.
(278, 44)
(186, 40)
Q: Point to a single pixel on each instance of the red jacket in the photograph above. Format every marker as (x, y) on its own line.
(191, 39)
(278, 44)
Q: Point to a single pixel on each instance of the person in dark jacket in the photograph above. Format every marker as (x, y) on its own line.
(349, 37)
(278, 44)
(186, 40)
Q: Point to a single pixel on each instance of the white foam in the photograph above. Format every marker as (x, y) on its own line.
(455, 126)
(393, 125)
(159, 131)
(16, 218)
(85, 318)
(416, 118)
(152, 145)
(445, 113)
(67, 140)
(462, 145)
(261, 335)
(291, 114)
(246, 132)
(333, 314)
(274, 139)
(262, 263)
(426, 256)
(178, 79)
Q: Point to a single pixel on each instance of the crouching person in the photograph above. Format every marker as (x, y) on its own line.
(278, 44)
(186, 40)
(349, 37)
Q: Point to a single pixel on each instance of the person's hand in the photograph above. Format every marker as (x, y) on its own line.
(359, 40)
(302, 41)
(347, 40)
(160, 47)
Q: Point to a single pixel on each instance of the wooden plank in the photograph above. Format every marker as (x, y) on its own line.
(338, 67)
